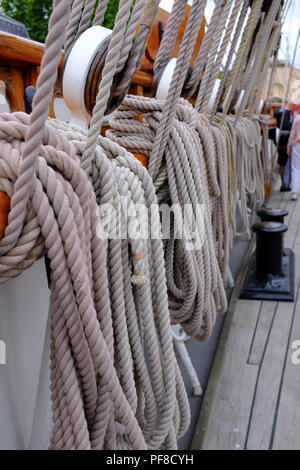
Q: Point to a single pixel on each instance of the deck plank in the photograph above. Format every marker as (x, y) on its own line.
(230, 409)
(253, 394)
(265, 320)
(266, 397)
(269, 378)
(287, 423)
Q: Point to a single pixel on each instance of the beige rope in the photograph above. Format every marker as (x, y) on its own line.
(215, 58)
(83, 377)
(234, 42)
(197, 291)
(242, 53)
(170, 34)
(101, 309)
(261, 40)
(196, 75)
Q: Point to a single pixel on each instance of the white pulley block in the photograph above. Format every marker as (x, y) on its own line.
(213, 96)
(76, 70)
(165, 80)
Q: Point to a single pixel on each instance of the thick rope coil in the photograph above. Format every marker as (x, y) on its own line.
(115, 382)
(64, 213)
(45, 85)
(250, 177)
(186, 50)
(121, 174)
(196, 290)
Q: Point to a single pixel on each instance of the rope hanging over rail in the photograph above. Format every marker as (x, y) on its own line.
(115, 382)
(228, 155)
(98, 318)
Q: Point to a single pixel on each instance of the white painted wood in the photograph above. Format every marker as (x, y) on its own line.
(179, 338)
(42, 417)
(230, 280)
(165, 80)
(185, 357)
(24, 304)
(4, 104)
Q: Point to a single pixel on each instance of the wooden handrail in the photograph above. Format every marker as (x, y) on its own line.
(21, 52)
(20, 61)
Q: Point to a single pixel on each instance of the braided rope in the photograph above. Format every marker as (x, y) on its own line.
(196, 292)
(88, 10)
(269, 50)
(242, 53)
(100, 12)
(136, 54)
(262, 39)
(72, 26)
(107, 79)
(186, 49)
(215, 58)
(45, 84)
(170, 34)
(234, 42)
(201, 59)
(130, 33)
(224, 45)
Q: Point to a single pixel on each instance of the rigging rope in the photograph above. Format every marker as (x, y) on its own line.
(115, 382)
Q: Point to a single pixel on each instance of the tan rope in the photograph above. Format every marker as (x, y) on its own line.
(102, 310)
(197, 292)
(196, 75)
(242, 53)
(262, 39)
(234, 42)
(215, 58)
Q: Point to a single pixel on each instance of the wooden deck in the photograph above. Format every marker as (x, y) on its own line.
(252, 400)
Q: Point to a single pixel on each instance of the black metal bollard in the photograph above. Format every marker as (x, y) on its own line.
(271, 272)
(267, 214)
(269, 248)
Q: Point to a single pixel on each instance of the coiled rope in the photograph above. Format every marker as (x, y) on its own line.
(97, 320)
(230, 162)
(115, 383)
